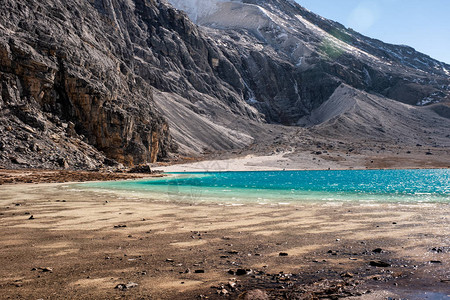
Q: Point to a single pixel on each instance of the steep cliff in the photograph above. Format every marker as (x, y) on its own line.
(70, 95)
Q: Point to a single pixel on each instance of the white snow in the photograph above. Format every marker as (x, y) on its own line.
(338, 43)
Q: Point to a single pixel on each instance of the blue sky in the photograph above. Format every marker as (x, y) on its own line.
(421, 24)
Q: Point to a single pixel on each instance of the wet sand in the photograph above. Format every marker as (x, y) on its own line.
(82, 245)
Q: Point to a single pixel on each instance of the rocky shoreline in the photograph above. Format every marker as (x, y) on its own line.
(60, 176)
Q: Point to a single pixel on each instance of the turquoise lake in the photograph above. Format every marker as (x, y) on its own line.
(412, 186)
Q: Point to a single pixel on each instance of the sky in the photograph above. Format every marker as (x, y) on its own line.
(421, 24)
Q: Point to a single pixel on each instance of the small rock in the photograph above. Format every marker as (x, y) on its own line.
(241, 272)
(169, 260)
(222, 292)
(379, 263)
(141, 169)
(44, 269)
(435, 262)
(31, 217)
(123, 287)
(283, 254)
(377, 250)
(120, 226)
(199, 271)
(347, 275)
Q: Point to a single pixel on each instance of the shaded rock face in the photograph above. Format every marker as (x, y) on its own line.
(71, 62)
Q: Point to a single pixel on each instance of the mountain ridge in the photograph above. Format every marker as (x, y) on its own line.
(90, 83)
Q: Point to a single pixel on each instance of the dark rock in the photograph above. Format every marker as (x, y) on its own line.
(124, 287)
(283, 254)
(377, 250)
(199, 271)
(120, 226)
(62, 163)
(241, 272)
(31, 217)
(436, 262)
(144, 169)
(379, 263)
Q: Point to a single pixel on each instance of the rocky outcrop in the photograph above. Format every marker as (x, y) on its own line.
(67, 75)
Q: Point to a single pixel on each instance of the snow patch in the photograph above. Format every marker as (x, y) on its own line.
(428, 100)
(336, 42)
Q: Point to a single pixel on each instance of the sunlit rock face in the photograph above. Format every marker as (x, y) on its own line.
(292, 60)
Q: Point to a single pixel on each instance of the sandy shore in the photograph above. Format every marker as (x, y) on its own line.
(82, 245)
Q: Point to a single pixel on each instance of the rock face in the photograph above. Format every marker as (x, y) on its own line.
(291, 60)
(69, 94)
(93, 82)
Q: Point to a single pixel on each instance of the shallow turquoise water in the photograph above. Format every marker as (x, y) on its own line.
(291, 186)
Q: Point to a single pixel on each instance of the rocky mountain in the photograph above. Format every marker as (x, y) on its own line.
(93, 82)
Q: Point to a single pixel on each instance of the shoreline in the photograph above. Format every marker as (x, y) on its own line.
(91, 245)
(310, 161)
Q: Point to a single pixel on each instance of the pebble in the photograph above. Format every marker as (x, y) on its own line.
(123, 287)
(283, 254)
(435, 262)
(199, 271)
(31, 217)
(222, 292)
(347, 275)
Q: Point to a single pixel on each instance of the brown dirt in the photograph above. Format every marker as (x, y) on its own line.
(52, 176)
(75, 235)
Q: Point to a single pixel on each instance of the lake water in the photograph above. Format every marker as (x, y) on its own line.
(409, 186)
